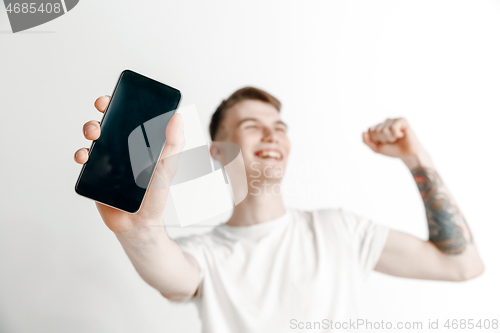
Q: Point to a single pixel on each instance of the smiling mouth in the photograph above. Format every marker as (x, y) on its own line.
(269, 154)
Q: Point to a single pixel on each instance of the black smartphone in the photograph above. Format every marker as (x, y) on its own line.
(123, 159)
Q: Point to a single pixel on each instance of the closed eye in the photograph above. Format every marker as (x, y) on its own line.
(281, 129)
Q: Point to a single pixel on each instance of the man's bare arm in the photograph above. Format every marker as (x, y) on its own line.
(156, 257)
(161, 263)
(448, 230)
(450, 252)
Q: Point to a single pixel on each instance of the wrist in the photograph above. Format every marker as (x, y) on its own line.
(421, 159)
(142, 232)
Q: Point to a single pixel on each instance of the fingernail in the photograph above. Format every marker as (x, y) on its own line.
(80, 152)
(89, 129)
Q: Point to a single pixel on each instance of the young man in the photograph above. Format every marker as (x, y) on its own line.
(269, 264)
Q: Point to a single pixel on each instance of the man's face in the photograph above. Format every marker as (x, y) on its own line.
(256, 127)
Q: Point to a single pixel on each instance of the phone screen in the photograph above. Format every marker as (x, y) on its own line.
(138, 103)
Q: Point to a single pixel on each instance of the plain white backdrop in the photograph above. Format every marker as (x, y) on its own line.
(337, 66)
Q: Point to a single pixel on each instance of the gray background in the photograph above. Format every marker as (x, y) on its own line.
(337, 66)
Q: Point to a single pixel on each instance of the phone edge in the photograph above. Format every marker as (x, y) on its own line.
(93, 143)
(162, 148)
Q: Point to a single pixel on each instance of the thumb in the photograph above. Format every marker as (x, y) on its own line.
(169, 159)
(174, 133)
(369, 142)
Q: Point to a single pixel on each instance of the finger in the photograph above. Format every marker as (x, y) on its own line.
(374, 132)
(372, 135)
(399, 127)
(81, 155)
(369, 142)
(175, 132)
(92, 130)
(169, 159)
(102, 103)
(388, 133)
(175, 139)
(383, 132)
(173, 147)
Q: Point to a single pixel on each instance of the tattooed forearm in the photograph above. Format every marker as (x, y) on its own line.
(448, 229)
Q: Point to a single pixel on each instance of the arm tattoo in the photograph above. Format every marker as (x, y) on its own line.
(448, 229)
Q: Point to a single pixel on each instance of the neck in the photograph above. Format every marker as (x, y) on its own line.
(259, 208)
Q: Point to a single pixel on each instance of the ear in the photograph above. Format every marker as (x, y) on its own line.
(215, 151)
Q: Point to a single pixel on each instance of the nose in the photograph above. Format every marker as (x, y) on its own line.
(269, 135)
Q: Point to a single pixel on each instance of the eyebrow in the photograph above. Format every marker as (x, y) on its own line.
(257, 120)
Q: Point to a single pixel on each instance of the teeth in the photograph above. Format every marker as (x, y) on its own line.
(270, 154)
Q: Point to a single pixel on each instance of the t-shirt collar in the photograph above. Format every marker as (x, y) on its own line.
(255, 230)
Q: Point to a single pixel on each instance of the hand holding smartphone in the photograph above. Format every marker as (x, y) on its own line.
(107, 176)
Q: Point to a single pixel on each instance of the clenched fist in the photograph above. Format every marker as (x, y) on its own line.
(395, 138)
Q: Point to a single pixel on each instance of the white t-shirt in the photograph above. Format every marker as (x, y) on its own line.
(305, 266)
